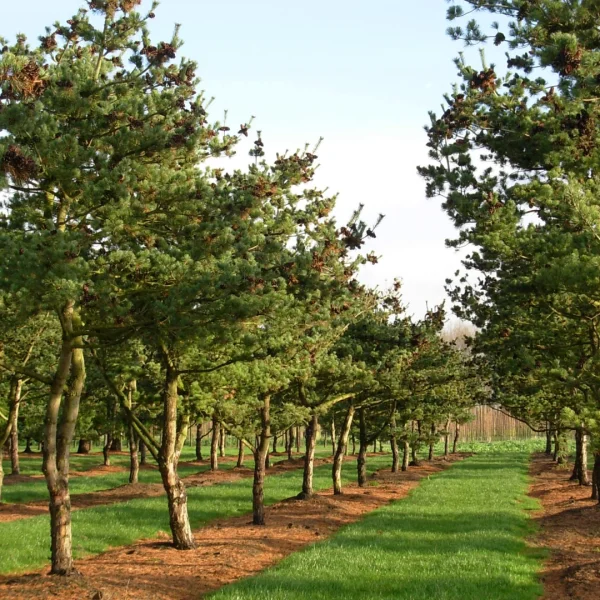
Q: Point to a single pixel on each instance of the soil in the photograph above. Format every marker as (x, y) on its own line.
(570, 528)
(228, 549)
(123, 493)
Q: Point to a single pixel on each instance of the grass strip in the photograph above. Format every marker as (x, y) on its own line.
(458, 536)
(24, 544)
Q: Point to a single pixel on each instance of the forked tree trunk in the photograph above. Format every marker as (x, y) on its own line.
(338, 459)
(361, 463)
(181, 530)
(260, 456)
(405, 454)
(241, 452)
(59, 428)
(214, 443)
(309, 458)
(596, 477)
(456, 438)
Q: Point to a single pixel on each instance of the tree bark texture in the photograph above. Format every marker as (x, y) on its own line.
(262, 451)
(338, 460)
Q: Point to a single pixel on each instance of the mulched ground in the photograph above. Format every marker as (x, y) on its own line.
(228, 549)
(123, 493)
(570, 528)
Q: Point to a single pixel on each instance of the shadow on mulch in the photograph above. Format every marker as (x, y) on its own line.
(569, 527)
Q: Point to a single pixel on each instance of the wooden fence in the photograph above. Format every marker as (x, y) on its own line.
(490, 425)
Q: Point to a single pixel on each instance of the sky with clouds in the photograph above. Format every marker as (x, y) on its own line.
(361, 74)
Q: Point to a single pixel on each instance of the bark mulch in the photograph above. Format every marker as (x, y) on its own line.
(570, 528)
(228, 549)
(123, 493)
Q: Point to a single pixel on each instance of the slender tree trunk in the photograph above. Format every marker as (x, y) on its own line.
(298, 439)
(353, 439)
(291, 441)
(1, 470)
(221, 441)
(134, 461)
(447, 439)
(333, 436)
(28, 449)
(580, 470)
(431, 443)
(456, 438)
(584, 478)
(59, 428)
(143, 452)
(548, 440)
(361, 463)
(576, 474)
(198, 442)
(6, 429)
(106, 449)
(338, 459)
(14, 432)
(241, 452)
(181, 530)
(394, 446)
(405, 454)
(309, 458)
(214, 443)
(275, 438)
(596, 477)
(262, 451)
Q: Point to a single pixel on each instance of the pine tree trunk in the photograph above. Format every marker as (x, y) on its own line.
(584, 478)
(548, 440)
(1, 470)
(221, 441)
(142, 452)
(275, 444)
(456, 438)
(84, 446)
(596, 477)
(556, 452)
(28, 449)
(432, 443)
(576, 474)
(298, 439)
(405, 454)
(309, 458)
(214, 443)
(353, 439)
(447, 439)
(134, 461)
(291, 441)
(106, 449)
(333, 436)
(117, 444)
(414, 462)
(338, 459)
(198, 442)
(361, 463)
(181, 530)
(260, 457)
(59, 428)
(395, 454)
(14, 432)
(241, 452)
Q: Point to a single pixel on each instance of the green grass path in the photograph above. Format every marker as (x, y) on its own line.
(458, 536)
(25, 544)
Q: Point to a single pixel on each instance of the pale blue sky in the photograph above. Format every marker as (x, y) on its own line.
(362, 74)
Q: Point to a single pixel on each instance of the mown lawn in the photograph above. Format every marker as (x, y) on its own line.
(458, 536)
(25, 544)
